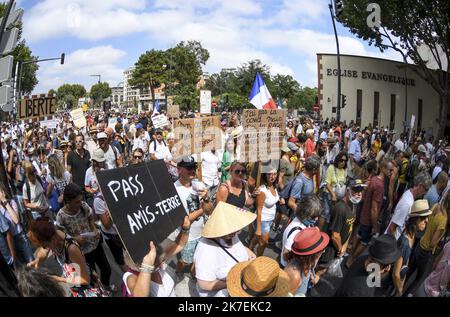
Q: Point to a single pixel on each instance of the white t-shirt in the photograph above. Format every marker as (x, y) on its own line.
(162, 151)
(37, 195)
(270, 204)
(299, 129)
(191, 203)
(90, 178)
(287, 241)
(60, 183)
(399, 145)
(430, 150)
(213, 263)
(110, 157)
(100, 208)
(324, 135)
(166, 289)
(210, 166)
(401, 213)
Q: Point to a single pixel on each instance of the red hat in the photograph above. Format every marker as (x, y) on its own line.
(310, 241)
(293, 140)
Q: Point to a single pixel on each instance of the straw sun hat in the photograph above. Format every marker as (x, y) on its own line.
(227, 219)
(261, 277)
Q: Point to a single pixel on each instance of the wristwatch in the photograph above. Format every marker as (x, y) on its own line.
(206, 199)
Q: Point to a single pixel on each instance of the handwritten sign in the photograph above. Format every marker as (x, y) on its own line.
(159, 121)
(197, 135)
(112, 122)
(37, 107)
(78, 118)
(173, 111)
(143, 203)
(205, 101)
(49, 124)
(263, 134)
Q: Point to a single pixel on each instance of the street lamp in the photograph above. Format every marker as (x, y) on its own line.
(405, 66)
(338, 9)
(99, 77)
(20, 65)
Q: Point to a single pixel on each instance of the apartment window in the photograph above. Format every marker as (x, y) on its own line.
(392, 118)
(376, 108)
(358, 107)
(419, 115)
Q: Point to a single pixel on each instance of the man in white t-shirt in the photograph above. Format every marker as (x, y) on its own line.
(210, 170)
(196, 202)
(422, 184)
(430, 148)
(112, 154)
(143, 140)
(399, 145)
(158, 149)
(306, 215)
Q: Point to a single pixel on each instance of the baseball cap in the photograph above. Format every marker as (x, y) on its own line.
(422, 148)
(357, 185)
(187, 162)
(102, 135)
(139, 126)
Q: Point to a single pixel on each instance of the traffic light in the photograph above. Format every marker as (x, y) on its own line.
(63, 56)
(338, 7)
(344, 101)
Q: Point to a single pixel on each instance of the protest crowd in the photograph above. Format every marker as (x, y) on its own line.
(367, 205)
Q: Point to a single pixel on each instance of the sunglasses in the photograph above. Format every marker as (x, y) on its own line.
(78, 142)
(138, 157)
(237, 172)
(343, 160)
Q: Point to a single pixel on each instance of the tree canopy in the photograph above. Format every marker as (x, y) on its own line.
(99, 92)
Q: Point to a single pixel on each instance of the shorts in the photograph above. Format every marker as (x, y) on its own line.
(365, 234)
(187, 254)
(265, 226)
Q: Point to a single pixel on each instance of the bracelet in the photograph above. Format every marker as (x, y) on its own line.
(185, 230)
(146, 268)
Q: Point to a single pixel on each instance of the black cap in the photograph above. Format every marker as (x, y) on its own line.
(356, 185)
(187, 162)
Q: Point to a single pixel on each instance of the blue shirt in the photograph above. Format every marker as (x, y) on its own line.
(432, 196)
(355, 150)
(302, 187)
(4, 228)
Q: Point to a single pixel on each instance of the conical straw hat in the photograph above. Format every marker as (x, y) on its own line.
(227, 219)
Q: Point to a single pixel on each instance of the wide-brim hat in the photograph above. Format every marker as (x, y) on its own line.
(187, 161)
(63, 143)
(261, 277)
(420, 208)
(98, 156)
(285, 147)
(227, 219)
(237, 132)
(384, 249)
(310, 241)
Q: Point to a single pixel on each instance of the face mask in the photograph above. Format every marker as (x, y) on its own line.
(354, 200)
(309, 222)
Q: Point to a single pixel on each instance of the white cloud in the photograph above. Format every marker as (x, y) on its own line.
(78, 67)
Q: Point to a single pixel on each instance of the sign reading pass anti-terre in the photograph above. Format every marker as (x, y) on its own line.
(36, 107)
(143, 203)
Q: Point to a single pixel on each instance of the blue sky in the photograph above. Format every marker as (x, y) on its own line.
(107, 36)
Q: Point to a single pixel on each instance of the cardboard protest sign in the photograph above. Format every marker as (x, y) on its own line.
(197, 135)
(49, 124)
(159, 121)
(173, 111)
(263, 134)
(205, 101)
(37, 107)
(78, 118)
(112, 122)
(143, 203)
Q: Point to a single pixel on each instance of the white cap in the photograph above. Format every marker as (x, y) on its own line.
(102, 135)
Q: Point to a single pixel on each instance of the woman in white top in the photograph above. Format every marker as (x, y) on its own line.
(266, 205)
(58, 177)
(151, 279)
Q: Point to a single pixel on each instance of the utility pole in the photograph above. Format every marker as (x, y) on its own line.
(338, 7)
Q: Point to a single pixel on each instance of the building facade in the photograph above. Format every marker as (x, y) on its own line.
(375, 91)
(135, 97)
(117, 96)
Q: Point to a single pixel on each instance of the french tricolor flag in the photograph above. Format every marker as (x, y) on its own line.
(260, 96)
(156, 109)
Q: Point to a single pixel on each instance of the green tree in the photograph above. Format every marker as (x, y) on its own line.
(407, 27)
(188, 97)
(304, 98)
(246, 75)
(283, 87)
(99, 92)
(23, 53)
(52, 92)
(223, 82)
(150, 71)
(68, 95)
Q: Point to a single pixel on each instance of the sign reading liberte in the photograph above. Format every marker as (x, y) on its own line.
(263, 134)
(143, 203)
(197, 135)
(37, 107)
